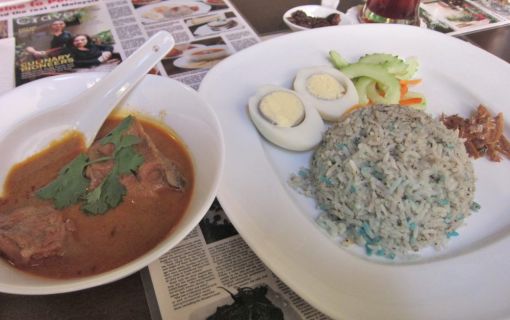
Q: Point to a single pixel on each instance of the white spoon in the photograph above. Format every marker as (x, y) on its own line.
(84, 113)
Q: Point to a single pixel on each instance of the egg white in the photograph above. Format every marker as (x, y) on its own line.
(304, 136)
(330, 110)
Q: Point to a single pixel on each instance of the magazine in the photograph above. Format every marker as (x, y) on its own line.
(48, 44)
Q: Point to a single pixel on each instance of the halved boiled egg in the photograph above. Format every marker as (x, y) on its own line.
(329, 90)
(285, 118)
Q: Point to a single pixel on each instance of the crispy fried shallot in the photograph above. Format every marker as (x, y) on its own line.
(482, 133)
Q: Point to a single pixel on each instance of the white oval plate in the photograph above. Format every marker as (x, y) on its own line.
(467, 280)
(162, 99)
(202, 8)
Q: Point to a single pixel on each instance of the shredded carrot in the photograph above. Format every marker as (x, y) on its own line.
(410, 82)
(403, 90)
(410, 101)
(352, 109)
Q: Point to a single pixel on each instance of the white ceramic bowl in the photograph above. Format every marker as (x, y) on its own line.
(164, 99)
(314, 11)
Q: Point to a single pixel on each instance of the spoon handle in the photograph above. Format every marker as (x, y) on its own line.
(108, 92)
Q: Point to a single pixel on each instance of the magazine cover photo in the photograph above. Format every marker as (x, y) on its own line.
(77, 40)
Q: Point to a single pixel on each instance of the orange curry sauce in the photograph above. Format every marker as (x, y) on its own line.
(103, 242)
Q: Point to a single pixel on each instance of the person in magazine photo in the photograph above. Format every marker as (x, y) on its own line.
(60, 39)
(87, 54)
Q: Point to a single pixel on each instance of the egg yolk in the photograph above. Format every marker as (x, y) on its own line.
(282, 109)
(324, 86)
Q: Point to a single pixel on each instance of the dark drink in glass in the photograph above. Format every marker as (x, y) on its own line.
(391, 11)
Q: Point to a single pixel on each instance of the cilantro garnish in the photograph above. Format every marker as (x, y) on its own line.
(108, 194)
(127, 160)
(71, 185)
(116, 134)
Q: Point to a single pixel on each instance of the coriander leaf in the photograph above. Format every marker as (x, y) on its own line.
(128, 160)
(114, 191)
(128, 140)
(69, 186)
(115, 135)
(94, 204)
(107, 195)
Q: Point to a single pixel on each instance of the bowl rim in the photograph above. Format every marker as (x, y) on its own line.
(76, 284)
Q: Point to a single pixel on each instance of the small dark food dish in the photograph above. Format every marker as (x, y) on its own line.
(300, 18)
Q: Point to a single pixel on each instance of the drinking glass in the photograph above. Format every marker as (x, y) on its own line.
(391, 11)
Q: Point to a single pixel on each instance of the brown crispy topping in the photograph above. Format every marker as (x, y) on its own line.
(482, 133)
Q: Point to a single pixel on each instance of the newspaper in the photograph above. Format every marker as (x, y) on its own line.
(455, 17)
(212, 272)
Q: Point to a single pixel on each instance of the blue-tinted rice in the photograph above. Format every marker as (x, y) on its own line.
(391, 179)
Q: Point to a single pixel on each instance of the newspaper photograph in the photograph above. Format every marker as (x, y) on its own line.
(201, 54)
(159, 11)
(213, 24)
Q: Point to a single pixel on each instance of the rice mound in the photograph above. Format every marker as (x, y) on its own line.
(391, 179)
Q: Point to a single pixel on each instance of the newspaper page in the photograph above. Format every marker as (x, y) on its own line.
(455, 17)
(212, 274)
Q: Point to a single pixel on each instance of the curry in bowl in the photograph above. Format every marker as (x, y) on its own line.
(70, 212)
(129, 230)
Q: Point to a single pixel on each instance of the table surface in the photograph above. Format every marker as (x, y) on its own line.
(126, 299)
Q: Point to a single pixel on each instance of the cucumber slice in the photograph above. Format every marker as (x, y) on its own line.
(412, 67)
(379, 74)
(392, 63)
(337, 60)
(361, 84)
(374, 95)
(377, 58)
